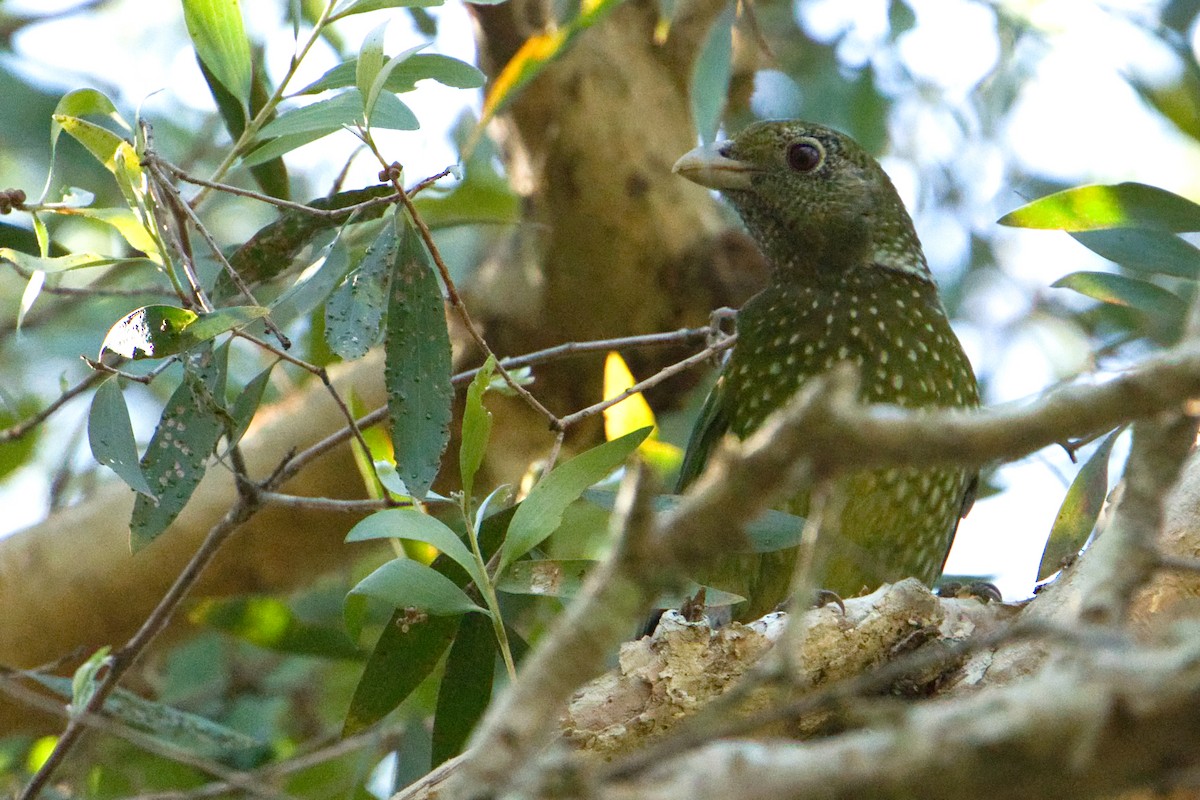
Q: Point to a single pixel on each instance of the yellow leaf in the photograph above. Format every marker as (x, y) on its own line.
(630, 414)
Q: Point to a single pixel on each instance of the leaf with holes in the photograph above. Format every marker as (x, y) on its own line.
(177, 456)
(354, 314)
(418, 366)
(110, 435)
(157, 331)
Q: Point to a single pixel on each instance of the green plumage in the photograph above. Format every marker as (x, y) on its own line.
(849, 284)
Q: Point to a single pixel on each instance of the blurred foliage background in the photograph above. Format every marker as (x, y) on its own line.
(973, 107)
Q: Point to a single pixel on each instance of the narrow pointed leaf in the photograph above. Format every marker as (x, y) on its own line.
(67, 263)
(1154, 252)
(711, 75)
(466, 687)
(1122, 205)
(1122, 291)
(422, 66)
(110, 435)
(246, 405)
(408, 523)
(391, 113)
(380, 80)
(540, 513)
(354, 315)
(189, 732)
(1079, 511)
(370, 61)
(100, 142)
(404, 583)
(219, 37)
(350, 7)
(476, 427)
(322, 117)
(418, 366)
(411, 645)
(407, 651)
(271, 250)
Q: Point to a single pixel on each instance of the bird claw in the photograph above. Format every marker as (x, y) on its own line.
(826, 597)
(983, 591)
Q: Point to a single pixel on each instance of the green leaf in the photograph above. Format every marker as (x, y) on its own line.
(408, 523)
(1122, 205)
(540, 513)
(246, 405)
(271, 250)
(129, 225)
(313, 287)
(177, 456)
(476, 427)
(1155, 252)
(157, 331)
(189, 732)
(422, 66)
(63, 263)
(370, 62)
(376, 88)
(391, 113)
(711, 75)
(407, 651)
(1131, 293)
(404, 583)
(411, 644)
(350, 7)
(150, 332)
(100, 142)
(17, 452)
(417, 365)
(269, 623)
(110, 435)
(1080, 509)
(281, 145)
(322, 117)
(207, 326)
(466, 687)
(220, 40)
(354, 314)
(545, 577)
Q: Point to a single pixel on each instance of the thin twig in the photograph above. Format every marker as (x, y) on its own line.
(655, 379)
(229, 779)
(123, 659)
(14, 432)
(325, 503)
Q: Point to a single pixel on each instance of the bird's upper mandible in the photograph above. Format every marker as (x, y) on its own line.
(817, 203)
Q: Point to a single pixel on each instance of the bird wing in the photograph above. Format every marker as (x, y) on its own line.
(712, 424)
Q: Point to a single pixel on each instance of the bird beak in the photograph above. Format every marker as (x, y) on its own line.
(707, 167)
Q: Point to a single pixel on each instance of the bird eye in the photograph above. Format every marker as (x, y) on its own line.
(805, 156)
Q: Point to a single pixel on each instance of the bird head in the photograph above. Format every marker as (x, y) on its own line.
(815, 201)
